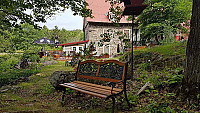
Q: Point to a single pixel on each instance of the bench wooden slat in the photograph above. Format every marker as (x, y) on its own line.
(97, 89)
(98, 86)
(86, 88)
(84, 91)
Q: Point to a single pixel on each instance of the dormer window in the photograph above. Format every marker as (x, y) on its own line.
(110, 16)
(117, 1)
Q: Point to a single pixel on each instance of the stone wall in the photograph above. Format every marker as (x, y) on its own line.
(94, 30)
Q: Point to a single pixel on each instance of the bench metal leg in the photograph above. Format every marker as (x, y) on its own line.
(113, 107)
(125, 94)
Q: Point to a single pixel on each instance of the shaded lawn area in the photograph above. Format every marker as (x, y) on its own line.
(35, 95)
(38, 95)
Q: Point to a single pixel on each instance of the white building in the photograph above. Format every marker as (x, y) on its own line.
(77, 47)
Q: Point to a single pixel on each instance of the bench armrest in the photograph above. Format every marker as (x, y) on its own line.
(113, 84)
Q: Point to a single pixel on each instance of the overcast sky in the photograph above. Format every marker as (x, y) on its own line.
(65, 20)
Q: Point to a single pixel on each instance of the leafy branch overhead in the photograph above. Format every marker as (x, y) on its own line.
(13, 12)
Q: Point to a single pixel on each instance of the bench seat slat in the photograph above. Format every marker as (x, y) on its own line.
(92, 89)
(86, 88)
(99, 86)
(84, 91)
(95, 89)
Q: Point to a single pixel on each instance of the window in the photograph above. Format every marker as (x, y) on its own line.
(134, 35)
(80, 48)
(66, 49)
(127, 34)
(117, 1)
(106, 49)
(111, 16)
(107, 35)
(74, 49)
(109, 32)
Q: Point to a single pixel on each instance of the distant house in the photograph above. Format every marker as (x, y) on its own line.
(180, 35)
(103, 23)
(77, 47)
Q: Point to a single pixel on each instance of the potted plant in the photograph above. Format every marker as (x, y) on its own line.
(106, 55)
(120, 54)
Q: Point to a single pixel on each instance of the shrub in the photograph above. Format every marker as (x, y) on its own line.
(7, 63)
(11, 75)
(31, 55)
(106, 54)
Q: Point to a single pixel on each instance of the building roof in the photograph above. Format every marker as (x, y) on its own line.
(74, 43)
(99, 9)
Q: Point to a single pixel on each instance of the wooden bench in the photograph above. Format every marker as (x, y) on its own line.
(111, 71)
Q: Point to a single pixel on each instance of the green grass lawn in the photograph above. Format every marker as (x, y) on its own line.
(36, 94)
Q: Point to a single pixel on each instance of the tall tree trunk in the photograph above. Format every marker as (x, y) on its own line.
(191, 81)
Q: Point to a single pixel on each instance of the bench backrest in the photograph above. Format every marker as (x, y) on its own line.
(108, 70)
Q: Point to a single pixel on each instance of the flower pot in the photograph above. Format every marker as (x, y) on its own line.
(105, 56)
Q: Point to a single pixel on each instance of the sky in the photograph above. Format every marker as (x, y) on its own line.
(64, 20)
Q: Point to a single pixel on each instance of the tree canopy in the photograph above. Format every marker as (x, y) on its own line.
(22, 38)
(13, 12)
(163, 17)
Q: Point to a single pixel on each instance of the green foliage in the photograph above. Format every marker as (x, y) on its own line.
(7, 42)
(144, 66)
(163, 17)
(7, 62)
(106, 37)
(157, 80)
(116, 9)
(13, 12)
(132, 98)
(9, 76)
(66, 36)
(164, 78)
(88, 52)
(109, 35)
(69, 91)
(59, 48)
(31, 55)
(22, 39)
(175, 79)
(163, 107)
(166, 50)
(169, 49)
(106, 54)
(46, 89)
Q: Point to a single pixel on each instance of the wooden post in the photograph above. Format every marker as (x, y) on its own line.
(132, 48)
